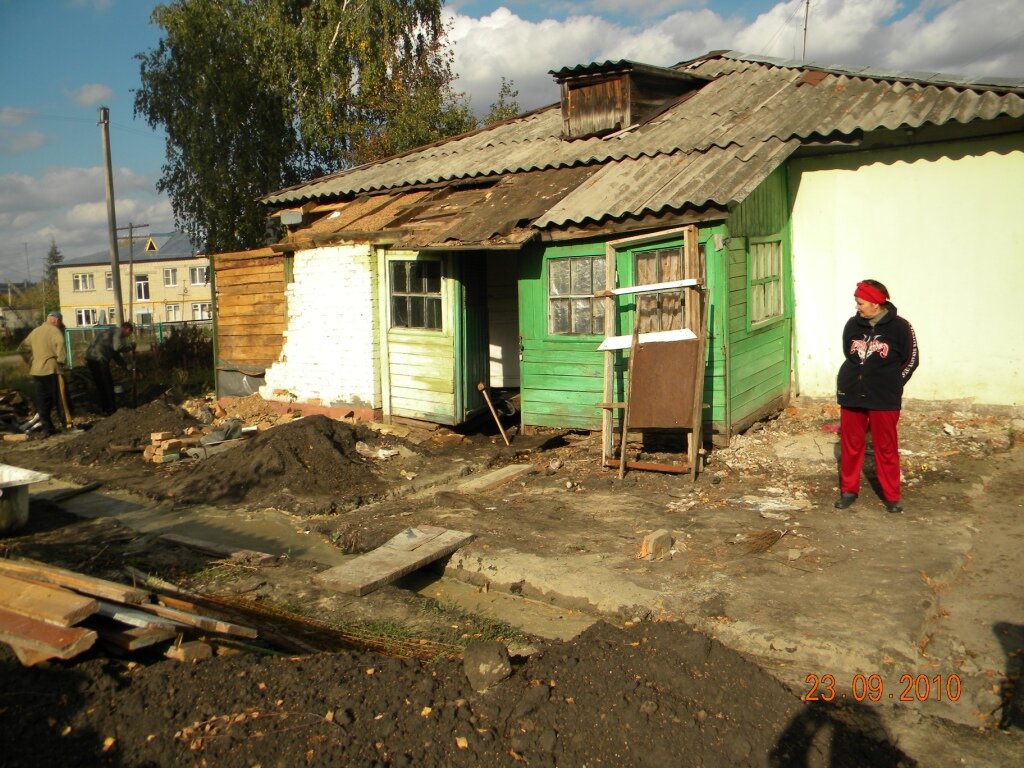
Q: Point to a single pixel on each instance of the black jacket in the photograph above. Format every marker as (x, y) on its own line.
(879, 362)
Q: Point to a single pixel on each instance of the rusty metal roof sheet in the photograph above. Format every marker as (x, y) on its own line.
(711, 146)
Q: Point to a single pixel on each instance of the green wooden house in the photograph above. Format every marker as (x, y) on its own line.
(481, 258)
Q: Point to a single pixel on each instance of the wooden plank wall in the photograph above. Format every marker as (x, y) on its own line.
(251, 315)
(759, 357)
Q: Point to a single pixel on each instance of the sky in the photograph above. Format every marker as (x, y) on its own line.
(61, 60)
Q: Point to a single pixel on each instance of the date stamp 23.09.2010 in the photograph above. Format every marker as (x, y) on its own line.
(875, 688)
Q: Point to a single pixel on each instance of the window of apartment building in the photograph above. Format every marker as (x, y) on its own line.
(83, 281)
(142, 287)
(572, 308)
(416, 294)
(172, 313)
(201, 311)
(108, 280)
(170, 277)
(144, 317)
(199, 275)
(86, 317)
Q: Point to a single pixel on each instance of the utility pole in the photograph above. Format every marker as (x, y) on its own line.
(131, 265)
(28, 270)
(807, 11)
(115, 267)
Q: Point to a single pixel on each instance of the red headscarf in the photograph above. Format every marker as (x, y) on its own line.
(869, 293)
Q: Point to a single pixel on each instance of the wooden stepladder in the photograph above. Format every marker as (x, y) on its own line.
(664, 384)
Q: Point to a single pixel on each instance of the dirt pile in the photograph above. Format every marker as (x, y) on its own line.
(647, 695)
(314, 458)
(126, 427)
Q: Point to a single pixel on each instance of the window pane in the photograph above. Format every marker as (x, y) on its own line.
(399, 312)
(432, 276)
(670, 265)
(599, 273)
(559, 315)
(671, 312)
(646, 268)
(432, 317)
(581, 281)
(647, 310)
(399, 276)
(598, 306)
(416, 311)
(558, 277)
(582, 320)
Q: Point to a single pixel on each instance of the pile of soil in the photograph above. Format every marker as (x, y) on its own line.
(648, 695)
(314, 458)
(126, 427)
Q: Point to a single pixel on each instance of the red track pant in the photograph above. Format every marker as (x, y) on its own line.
(854, 424)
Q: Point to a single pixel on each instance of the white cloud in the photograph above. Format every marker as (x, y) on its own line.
(91, 94)
(68, 206)
(502, 44)
(16, 143)
(14, 115)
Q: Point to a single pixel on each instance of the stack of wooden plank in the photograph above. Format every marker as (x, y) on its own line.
(52, 613)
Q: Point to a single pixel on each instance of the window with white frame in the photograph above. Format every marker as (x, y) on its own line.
(108, 280)
(662, 311)
(416, 294)
(170, 277)
(765, 279)
(572, 308)
(83, 281)
(86, 317)
(199, 275)
(201, 311)
(172, 313)
(142, 287)
(144, 317)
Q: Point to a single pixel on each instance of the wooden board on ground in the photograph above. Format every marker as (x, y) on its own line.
(44, 602)
(136, 637)
(88, 585)
(392, 560)
(206, 623)
(134, 617)
(218, 550)
(495, 478)
(40, 640)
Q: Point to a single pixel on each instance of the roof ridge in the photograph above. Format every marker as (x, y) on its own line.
(1008, 84)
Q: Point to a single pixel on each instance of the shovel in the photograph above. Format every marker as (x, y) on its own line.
(494, 413)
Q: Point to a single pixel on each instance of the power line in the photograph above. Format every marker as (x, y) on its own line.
(778, 32)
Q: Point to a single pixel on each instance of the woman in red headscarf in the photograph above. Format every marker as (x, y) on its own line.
(881, 356)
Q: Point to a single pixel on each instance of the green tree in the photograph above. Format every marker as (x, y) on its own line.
(51, 293)
(506, 106)
(255, 95)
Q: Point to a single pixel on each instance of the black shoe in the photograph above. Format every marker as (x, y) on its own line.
(893, 506)
(845, 500)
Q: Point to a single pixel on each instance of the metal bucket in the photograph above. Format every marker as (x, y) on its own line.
(14, 483)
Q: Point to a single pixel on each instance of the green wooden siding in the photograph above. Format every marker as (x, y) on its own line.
(758, 356)
(562, 376)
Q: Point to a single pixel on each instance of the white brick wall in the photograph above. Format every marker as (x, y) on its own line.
(330, 345)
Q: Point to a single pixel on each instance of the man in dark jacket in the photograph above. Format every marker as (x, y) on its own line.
(109, 344)
(881, 356)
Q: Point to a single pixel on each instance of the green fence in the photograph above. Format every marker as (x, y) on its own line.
(145, 337)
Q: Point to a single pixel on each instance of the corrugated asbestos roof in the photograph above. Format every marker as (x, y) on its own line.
(711, 147)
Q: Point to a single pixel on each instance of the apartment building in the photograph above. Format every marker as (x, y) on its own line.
(164, 279)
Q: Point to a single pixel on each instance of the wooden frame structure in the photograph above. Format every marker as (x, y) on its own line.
(692, 292)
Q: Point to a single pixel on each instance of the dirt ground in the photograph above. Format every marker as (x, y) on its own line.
(635, 691)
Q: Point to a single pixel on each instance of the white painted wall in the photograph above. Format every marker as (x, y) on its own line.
(331, 340)
(942, 226)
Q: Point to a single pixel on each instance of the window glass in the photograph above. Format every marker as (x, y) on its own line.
(170, 277)
(416, 294)
(142, 287)
(765, 281)
(661, 311)
(572, 308)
